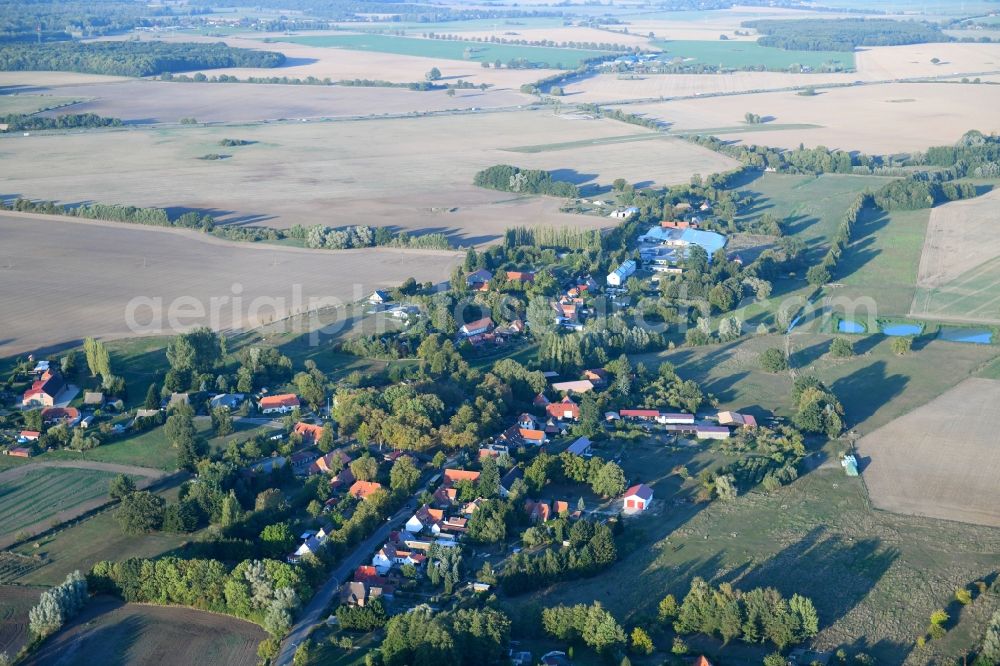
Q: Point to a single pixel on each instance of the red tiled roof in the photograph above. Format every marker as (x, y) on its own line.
(639, 413)
(67, 413)
(524, 276)
(308, 430)
(531, 434)
(364, 489)
(452, 476)
(282, 400)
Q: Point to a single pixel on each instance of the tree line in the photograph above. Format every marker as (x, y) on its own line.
(18, 122)
(131, 58)
(843, 34)
(532, 181)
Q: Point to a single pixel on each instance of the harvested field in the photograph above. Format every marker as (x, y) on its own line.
(15, 602)
(412, 174)
(110, 632)
(21, 81)
(167, 264)
(143, 101)
(876, 118)
(339, 64)
(32, 495)
(21, 103)
(940, 460)
(897, 62)
(960, 264)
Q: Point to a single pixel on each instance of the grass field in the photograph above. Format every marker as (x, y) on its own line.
(560, 58)
(81, 545)
(874, 576)
(109, 632)
(731, 54)
(811, 208)
(41, 493)
(15, 602)
(940, 460)
(960, 263)
(881, 262)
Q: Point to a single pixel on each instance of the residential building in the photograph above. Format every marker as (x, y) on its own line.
(478, 327)
(532, 437)
(737, 420)
(508, 479)
(638, 498)
(44, 391)
(69, 416)
(478, 280)
(624, 213)
(639, 414)
(711, 432)
(675, 419)
(93, 398)
(578, 386)
(230, 400)
(580, 447)
(326, 464)
(309, 432)
(364, 489)
(379, 297)
(28, 436)
(278, 404)
(564, 409)
(424, 519)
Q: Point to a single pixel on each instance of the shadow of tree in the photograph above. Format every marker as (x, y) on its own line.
(865, 390)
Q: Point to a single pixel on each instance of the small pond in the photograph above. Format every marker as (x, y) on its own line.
(848, 326)
(976, 336)
(902, 329)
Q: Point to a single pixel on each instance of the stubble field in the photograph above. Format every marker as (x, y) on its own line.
(878, 118)
(959, 269)
(64, 280)
(109, 632)
(141, 101)
(940, 460)
(413, 174)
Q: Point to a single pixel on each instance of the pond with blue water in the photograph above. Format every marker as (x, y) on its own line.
(902, 329)
(977, 336)
(848, 326)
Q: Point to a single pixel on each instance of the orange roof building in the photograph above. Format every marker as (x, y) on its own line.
(364, 489)
(309, 432)
(284, 402)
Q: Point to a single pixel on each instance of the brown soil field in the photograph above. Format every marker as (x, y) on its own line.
(64, 280)
(609, 88)
(960, 236)
(414, 174)
(15, 81)
(110, 632)
(876, 118)
(341, 64)
(144, 101)
(940, 460)
(15, 602)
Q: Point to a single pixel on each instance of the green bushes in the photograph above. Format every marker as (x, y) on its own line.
(530, 181)
(20, 122)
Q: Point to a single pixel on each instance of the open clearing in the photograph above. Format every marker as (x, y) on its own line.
(940, 460)
(876, 118)
(478, 52)
(110, 632)
(144, 101)
(93, 270)
(960, 264)
(33, 103)
(412, 174)
(30, 496)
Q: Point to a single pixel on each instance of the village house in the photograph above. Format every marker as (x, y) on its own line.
(639, 414)
(637, 498)
(19, 452)
(564, 409)
(508, 479)
(278, 404)
(667, 418)
(712, 432)
(520, 276)
(93, 398)
(424, 519)
(230, 400)
(28, 436)
(364, 489)
(581, 447)
(479, 280)
(359, 593)
(532, 437)
(343, 478)
(325, 464)
(447, 494)
(379, 297)
(68, 416)
(596, 376)
(478, 327)
(624, 213)
(44, 391)
(301, 461)
(310, 433)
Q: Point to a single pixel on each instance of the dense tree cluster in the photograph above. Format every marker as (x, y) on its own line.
(913, 194)
(591, 549)
(753, 616)
(58, 605)
(592, 625)
(817, 409)
(843, 34)
(18, 122)
(465, 637)
(320, 236)
(529, 181)
(131, 58)
(262, 591)
(369, 617)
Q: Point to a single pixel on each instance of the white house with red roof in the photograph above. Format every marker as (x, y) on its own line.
(278, 404)
(43, 391)
(564, 409)
(637, 498)
(478, 327)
